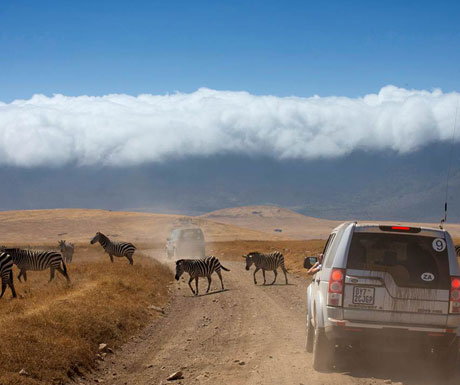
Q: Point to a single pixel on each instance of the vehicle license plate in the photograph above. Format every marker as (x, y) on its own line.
(363, 295)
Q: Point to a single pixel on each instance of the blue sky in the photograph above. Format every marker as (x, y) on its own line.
(282, 48)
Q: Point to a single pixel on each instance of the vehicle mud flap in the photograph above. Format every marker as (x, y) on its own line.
(323, 351)
(310, 336)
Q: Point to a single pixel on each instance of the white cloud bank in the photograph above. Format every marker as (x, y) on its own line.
(125, 130)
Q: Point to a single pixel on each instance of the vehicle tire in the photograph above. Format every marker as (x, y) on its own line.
(323, 351)
(310, 336)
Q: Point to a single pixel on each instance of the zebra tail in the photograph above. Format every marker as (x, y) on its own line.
(224, 268)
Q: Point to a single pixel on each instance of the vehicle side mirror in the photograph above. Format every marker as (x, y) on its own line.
(308, 262)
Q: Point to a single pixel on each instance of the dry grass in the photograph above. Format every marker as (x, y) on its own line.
(293, 251)
(54, 328)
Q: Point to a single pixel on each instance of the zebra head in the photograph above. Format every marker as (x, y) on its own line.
(62, 245)
(96, 238)
(249, 260)
(179, 268)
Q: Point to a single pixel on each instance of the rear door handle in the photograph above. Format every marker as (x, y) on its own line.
(318, 281)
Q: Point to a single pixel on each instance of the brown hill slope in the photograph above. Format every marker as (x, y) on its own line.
(292, 224)
(271, 218)
(28, 227)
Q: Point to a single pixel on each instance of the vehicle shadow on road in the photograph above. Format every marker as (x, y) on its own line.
(397, 368)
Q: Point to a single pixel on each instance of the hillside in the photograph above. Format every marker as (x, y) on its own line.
(79, 225)
(293, 225)
(271, 219)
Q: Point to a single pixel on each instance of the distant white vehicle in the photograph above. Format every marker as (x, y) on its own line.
(391, 288)
(186, 242)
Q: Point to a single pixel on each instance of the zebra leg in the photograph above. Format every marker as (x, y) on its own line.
(64, 273)
(196, 282)
(190, 284)
(3, 287)
(111, 258)
(25, 275)
(130, 259)
(276, 275)
(285, 273)
(20, 274)
(263, 272)
(255, 271)
(11, 283)
(220, 276)
(209, 283)
(51, 274)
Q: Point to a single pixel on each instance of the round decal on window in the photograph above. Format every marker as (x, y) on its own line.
(439, 244)
(427, 277)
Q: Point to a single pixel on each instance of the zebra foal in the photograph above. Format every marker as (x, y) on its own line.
(199, 268)
(266, 262)
(119, 249)
(37, 261)
(67, 250)
(6, 273)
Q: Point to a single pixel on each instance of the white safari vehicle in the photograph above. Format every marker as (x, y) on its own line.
(385, 287)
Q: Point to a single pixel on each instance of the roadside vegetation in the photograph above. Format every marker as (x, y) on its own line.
(53, 331)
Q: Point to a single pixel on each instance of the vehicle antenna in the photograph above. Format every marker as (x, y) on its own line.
(448, 169)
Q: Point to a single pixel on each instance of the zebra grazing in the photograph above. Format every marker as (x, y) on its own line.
(6, 272)
(266, 262)
(119, 249)
(37, 260)
(67, 250)
(199, 268)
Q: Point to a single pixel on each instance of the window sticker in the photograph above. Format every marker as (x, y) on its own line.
(427, 277)
(439, 244)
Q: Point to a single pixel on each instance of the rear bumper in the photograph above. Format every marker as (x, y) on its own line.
(389, 335)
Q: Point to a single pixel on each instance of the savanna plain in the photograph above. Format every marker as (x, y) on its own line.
(151, 326)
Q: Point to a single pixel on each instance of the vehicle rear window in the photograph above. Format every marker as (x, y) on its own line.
(410, 259)
(191, 235)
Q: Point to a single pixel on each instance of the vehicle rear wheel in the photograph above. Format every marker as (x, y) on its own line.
(310, 336)
(323, 351)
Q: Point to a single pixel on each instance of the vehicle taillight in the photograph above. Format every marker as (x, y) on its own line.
(335, 290)
(454, 295)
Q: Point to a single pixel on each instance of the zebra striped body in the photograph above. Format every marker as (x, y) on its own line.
(67, 250)
(6, 273)
(117, 249)
(457, 250)
(200, 268)
(36, 261)
(266, 262)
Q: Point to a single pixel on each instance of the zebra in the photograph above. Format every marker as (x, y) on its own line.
(6, 272)
(199, 268)
(36, 261)
(119, 249)
(67, 250)
(266, 262)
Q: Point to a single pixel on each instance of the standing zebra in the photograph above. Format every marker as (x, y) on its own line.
(6, 272)
(199, 268)
(119, 249)
(266, 262)
(36, 261)
(67, 250)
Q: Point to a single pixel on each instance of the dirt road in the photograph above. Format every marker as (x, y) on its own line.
(245, 335)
